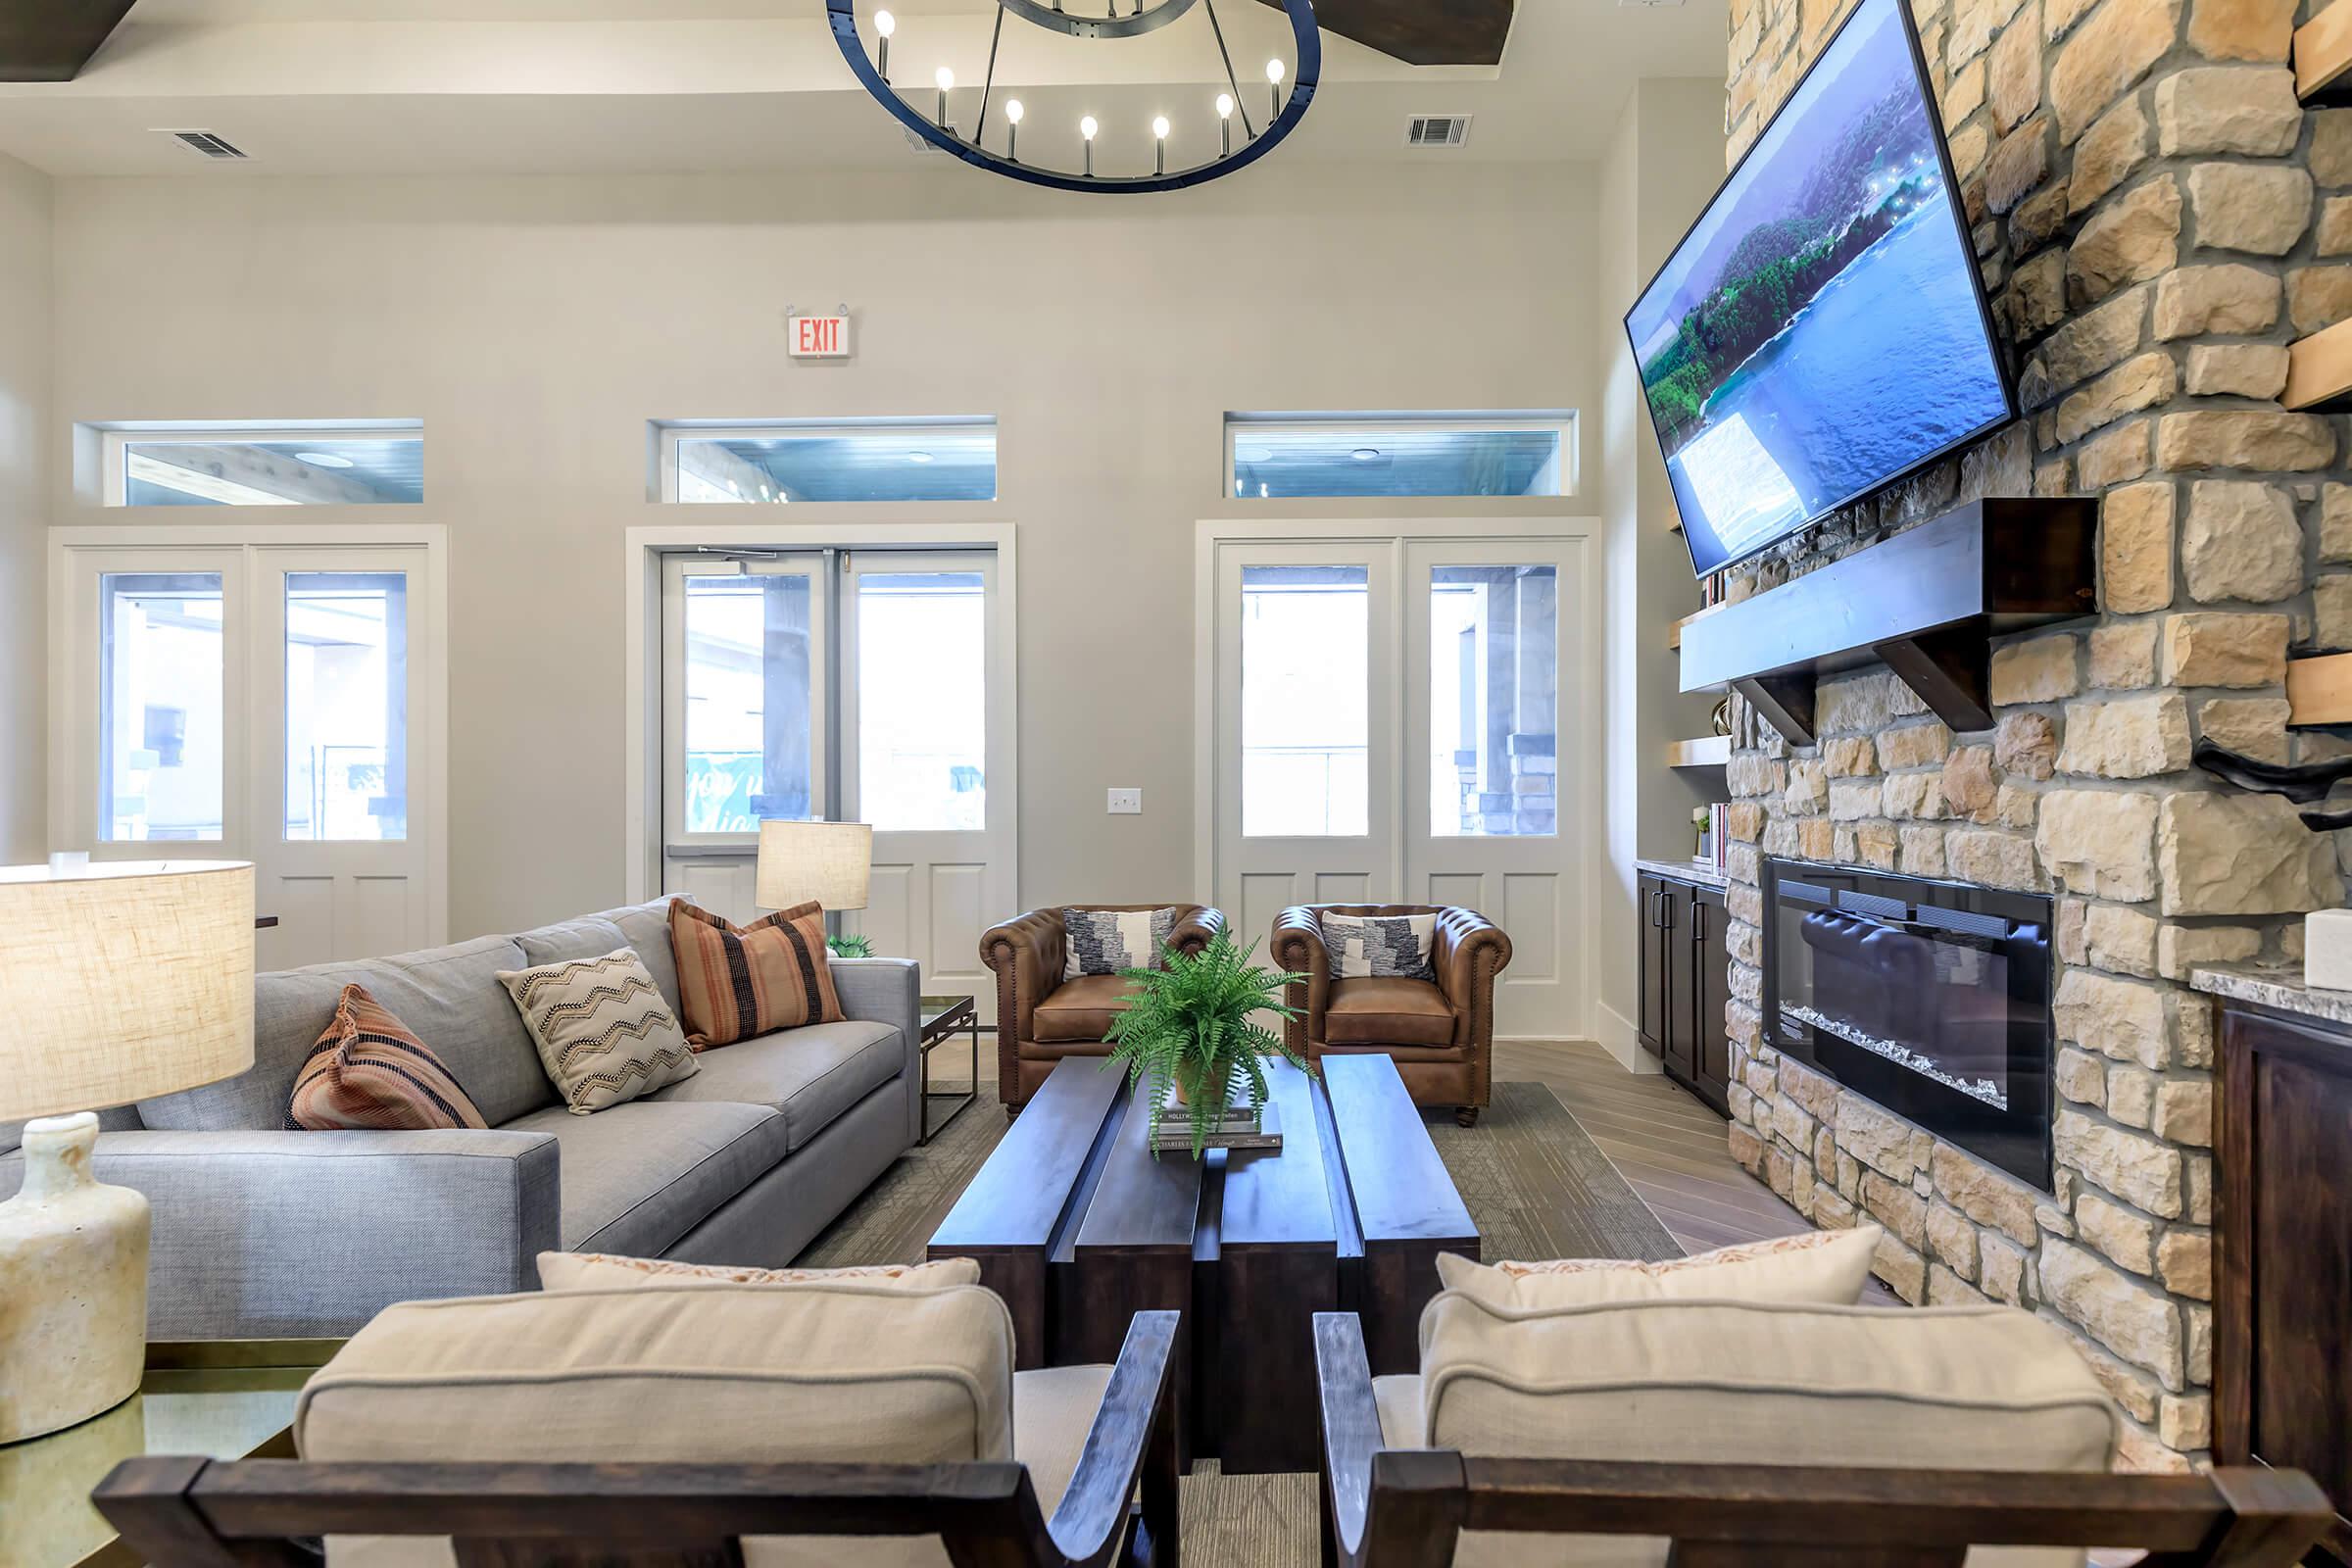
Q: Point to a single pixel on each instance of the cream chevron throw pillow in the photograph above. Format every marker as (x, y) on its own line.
(604, 1033)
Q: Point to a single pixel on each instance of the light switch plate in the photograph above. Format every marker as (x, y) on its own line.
(1126, 802)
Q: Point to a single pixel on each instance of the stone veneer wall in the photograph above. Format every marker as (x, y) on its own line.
(2153, 211)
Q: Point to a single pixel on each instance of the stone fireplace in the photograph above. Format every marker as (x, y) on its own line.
(2157, 217)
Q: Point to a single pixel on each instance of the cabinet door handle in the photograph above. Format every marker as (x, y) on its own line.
(1666, 908)
(1698, 922)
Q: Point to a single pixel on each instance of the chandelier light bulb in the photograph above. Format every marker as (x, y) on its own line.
(1224, 105)
(1087, 127)
(1160, 144)
(1159, 126)
(1012, 129)
(1274, 70)
(1012, 110)
(885, 24)
(1225, 125)
(945, 78)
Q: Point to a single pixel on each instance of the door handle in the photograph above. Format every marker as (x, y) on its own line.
(1666, 910)
(1698, 922)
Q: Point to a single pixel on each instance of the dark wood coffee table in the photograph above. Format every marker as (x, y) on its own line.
(1078, 1228)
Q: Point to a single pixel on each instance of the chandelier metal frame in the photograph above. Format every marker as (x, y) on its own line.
(1305, 72)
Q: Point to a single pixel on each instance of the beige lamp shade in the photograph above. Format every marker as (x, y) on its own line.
(121, 981)
(827, 862)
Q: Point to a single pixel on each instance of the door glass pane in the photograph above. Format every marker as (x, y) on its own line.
(347, 707)
(749, 650)
(922, 701)
(1493, 700)
(159, 706)
(1306, 645)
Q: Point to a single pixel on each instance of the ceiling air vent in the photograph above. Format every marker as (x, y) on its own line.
(205, 144)
(1437, 130)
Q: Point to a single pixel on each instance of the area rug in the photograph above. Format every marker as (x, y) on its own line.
(1532, 1177)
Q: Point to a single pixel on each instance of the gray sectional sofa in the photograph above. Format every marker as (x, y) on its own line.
(261, 1232)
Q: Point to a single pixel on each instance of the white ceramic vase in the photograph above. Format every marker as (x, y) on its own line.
(73, 1273)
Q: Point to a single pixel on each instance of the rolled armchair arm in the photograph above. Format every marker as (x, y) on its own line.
(1025, 953)
(1468, 952)
(1299, 949)
(308, 1234)
(1196, 930)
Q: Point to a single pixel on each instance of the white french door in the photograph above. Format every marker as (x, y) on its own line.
(863, 685)
(277, 703)
(1308, 776)
(1387, 722)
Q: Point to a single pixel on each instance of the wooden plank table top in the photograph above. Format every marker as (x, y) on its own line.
(1076, 1223)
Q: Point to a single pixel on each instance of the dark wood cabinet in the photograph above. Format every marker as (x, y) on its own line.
(2282, 1380)
(1683, 980)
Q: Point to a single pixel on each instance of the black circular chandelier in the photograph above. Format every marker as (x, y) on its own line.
(999, 117)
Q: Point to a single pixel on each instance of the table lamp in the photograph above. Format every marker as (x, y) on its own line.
(117, 982)
(829, 863)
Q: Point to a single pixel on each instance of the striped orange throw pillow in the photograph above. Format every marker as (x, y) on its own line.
(741, 981)
(369, 1072)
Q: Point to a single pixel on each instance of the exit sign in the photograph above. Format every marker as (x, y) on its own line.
(817, 337)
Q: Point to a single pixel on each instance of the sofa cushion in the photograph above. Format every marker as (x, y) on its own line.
(1829, 1267)
(1386, 1010)
(640, 1175)
(449, 996)
(643, 926)
(1080, 1009)
(584, 1271)
(728, 1374)
(370, 1071)
(1701, 1382)
(604, 1033)
(811, 1075)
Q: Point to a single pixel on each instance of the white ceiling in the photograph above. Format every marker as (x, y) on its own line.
(583, 87)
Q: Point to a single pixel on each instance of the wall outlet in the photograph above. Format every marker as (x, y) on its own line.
(1125, 803)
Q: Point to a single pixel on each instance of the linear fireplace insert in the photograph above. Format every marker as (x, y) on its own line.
(1931, 998)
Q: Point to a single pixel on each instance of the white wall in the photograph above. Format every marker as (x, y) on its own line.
(536, 324)
(1662, 163)
(25, 300)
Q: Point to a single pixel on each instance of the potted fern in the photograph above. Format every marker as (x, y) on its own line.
(1194, 1026)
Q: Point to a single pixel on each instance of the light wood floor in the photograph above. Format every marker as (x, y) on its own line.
(1668, 1145)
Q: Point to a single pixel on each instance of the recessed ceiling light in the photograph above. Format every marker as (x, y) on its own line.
(1365, 453)
(918, 457)
(323, 459)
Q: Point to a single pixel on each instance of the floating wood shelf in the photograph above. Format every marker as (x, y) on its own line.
(2318, 691)
(2324, 57)
(1708, 751)
(1673, 638)
(2319, 367)
(1927, 603)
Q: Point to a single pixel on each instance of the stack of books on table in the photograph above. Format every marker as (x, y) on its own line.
(1237, 1128)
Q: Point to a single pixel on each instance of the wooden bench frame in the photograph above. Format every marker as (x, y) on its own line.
(1406, 1508)
(205, 1513)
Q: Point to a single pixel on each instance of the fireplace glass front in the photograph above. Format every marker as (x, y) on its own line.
(1931, 998)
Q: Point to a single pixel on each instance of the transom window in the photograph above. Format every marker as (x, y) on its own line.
(211, 464)
(781, 462)
(1288, 455)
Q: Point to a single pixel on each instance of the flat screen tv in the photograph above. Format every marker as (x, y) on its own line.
(1822, 330)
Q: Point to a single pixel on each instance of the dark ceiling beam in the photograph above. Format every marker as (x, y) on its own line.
(1423, 33)
(50, 40)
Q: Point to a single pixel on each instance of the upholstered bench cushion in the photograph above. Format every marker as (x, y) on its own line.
(810, 1074)
(1386, 1010)
(638, 1176)
(1828, 1267)
(700, 1373)
(1699, 1382)
(1080, 1009)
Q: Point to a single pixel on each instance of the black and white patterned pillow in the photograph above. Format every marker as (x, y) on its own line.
(1106, 941)
(1396, 946)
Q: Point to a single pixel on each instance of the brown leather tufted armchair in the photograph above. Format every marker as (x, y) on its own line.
(1440, 1035)
(1040, 1017)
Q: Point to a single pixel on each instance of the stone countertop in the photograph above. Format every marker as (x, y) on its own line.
(1706, 876)
(2282, 989)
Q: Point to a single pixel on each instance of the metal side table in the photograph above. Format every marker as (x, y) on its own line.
(938, 1018)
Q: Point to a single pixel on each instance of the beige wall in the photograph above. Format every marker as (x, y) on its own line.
(24, 299)
(1663, 161)
(535, 326)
